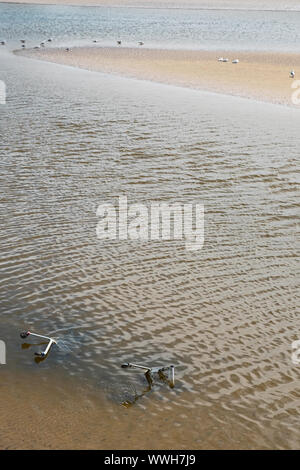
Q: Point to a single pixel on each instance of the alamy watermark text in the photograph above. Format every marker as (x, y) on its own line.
(151, 222)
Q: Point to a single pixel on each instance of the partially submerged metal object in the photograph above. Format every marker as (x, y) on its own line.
(149, 371)
(51, 341)
(165, 373)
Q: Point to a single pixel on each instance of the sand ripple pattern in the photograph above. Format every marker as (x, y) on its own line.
(225, 316)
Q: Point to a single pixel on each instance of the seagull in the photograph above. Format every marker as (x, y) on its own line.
(23, 45)
(22, 41)
(95, 40)
(119, 42)
(37, 47)
(235, 61)
(68, 49)
(225, 60)
(3, 43)
(42, 44)
(220, 59)
(292, 74)
(141, 43)
(49, 40)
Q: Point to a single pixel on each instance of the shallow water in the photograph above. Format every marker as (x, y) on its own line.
(178, 28)
(225, 315)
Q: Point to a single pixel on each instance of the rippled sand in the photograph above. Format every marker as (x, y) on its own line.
(57, 412)
(225, 316)
(261, 76)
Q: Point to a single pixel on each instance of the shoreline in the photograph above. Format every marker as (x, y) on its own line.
(226, 5)
(260, 76)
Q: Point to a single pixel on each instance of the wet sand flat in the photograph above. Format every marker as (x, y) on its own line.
(61, 413)
(258, 75)
(227, 315)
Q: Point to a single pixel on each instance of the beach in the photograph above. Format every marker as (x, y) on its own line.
(165, 123)
(258, 75)
(58, 413)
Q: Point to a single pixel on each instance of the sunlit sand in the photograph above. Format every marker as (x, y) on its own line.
(257, 75)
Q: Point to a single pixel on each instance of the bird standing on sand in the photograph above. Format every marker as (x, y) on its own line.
(141, 43)
(292, 74)
(235, 61)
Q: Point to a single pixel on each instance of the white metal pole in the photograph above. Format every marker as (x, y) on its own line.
(40, 336)
(48, 347)
(137, 366)
(172, 368)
